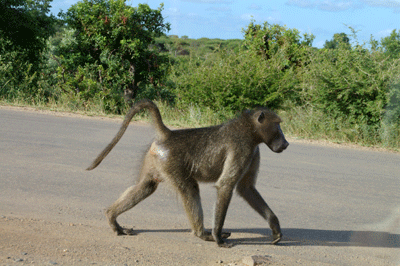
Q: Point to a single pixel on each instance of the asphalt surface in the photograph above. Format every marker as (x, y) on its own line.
(338, 206)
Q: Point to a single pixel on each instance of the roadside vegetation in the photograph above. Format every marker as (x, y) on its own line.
(100, 56)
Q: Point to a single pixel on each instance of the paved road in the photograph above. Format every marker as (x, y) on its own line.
(337, 206)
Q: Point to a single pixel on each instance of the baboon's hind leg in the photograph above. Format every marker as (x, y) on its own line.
(247, 190)
(190, 194)
(132, 196)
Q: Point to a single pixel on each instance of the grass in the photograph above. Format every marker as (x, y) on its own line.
(299, 122)
(311, 124)
(193, 116)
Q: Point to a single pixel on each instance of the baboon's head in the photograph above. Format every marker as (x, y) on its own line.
(267, 127)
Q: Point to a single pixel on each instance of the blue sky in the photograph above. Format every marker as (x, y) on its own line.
(225, 19)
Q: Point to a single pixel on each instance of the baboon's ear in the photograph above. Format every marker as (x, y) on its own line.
(261, 117)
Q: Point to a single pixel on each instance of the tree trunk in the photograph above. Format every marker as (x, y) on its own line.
(132, 89)
(130, 93)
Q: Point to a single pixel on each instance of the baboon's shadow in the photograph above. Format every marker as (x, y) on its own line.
(309, 237)
(314, 237)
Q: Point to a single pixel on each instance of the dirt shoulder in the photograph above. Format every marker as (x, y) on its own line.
(29, 241)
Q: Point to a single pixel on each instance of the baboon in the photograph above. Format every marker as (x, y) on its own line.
(226, 154)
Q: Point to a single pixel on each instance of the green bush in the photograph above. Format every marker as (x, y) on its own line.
(390, 125)
(276, 41)
(230, 81)
(352, 83)
(18, 80)
(108, 49)
(345, 92)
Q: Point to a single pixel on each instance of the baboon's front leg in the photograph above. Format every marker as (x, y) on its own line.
(246, 189)
(254, 199)
(128, 200)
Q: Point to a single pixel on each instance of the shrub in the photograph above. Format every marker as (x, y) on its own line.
(226, 80)
(351, 83)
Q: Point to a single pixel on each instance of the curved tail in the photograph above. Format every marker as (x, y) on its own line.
(161, 130)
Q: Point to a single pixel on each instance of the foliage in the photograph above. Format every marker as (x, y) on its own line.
(346, 91)
(391, 44)
(24, 27)
(349, 82)
(185, 46)
(357, 87)
(278, 41)
(229, 81)
(338, 40)
(353, 89)
(262, 72)
(106, 50)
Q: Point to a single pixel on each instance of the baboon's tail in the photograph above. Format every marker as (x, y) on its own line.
(161, 130)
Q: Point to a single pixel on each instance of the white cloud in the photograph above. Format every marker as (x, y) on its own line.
(319, 44)
(394, 4)
(273, 20)
(220, 8)
(247, 16)
(209, 1)
(70, 2)
(341, 5)
(193, 16)
(335, 5)
(255, 7)
(172, 13)
(384, 33)
(387, 3)
(259, 18)
(301, 3)
(326, 5)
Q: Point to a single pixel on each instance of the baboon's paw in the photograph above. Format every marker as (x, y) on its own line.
(206, 236)
(126, 232)
(225, 235)
(277, 238)
(223, 244)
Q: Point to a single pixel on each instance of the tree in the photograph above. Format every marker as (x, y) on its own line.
(24, 29)
(117, 38)
(25, 26)
(271, 40)
(338, 39)
(391, 44)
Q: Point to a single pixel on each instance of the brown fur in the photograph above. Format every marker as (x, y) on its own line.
(227, 155)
